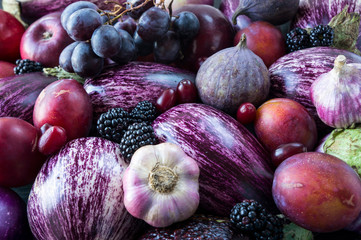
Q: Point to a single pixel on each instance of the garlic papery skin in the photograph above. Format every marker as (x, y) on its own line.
(337, 94)
(161, 185)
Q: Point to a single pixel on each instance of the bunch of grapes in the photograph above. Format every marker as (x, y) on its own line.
(137, 29)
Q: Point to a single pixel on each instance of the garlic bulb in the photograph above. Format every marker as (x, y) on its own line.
(161, 185)
(337, 94)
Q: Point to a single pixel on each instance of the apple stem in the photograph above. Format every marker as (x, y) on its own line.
(47, 35)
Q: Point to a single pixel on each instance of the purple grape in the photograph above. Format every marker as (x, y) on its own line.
(126, 23)
(136, 13)
(186, 25)
(128, 52)
(71, 8)
(82, 23)
(85, 62)
(166, 50)
(65, 57)
(153, 24)
(143, 47)
(106, 41)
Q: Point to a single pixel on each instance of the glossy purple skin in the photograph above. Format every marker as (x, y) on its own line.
(13, 221)
(34, 9)
(233, 164)
(125, 86)
(292, 75)
(228, 7)
(18, 94)
(78, 194)
(311, 13)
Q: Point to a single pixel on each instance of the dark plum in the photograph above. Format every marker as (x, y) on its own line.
(153, 24)
(65, 57)
(126, 23)
(166, 100)
(186, 25)
(285, 151)
(106, 41)
(71, 8)
(167, 49)
(136, 13)
(82, 23)
(85, 62)
(186, 91)
(246, 113)
(128, 52)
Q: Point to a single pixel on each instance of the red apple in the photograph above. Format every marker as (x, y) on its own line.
(20, 159)
(11, 32)
(215, 33)
(265, 40)
(44, 40)
(66, 104)
(317, 191)
(6, 69)
(281, 121)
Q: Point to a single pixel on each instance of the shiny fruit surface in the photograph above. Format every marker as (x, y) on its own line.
(166, 100)
(246, 113)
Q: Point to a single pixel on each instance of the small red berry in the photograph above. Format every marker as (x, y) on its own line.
(246, 113)
(186, 91)
(166, 100)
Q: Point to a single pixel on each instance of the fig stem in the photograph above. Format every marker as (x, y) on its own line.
(242, 41)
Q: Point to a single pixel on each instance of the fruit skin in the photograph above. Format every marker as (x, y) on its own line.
(19, 158)
(6, 69)
(246, 113)
(44, 40)
(317, 191)
(52, 140)
(11, 32)
(64, 103)
(215, 33)
(265, 40)
(281, 120)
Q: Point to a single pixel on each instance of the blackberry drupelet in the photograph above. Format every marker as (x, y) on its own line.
(273, 229)
(113, 123)
(137, 135)
(27, 66)
(322, 35)
(145, 111)
(248, 216)
(297, 39)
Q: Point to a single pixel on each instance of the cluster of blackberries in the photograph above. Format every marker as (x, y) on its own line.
(131, 130)
(27, 66)
(298, 38)
(251, 217)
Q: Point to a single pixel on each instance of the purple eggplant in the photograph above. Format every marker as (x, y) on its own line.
(233, 164)
(292, 75)
(78, 194)
(13, 221)
(18, 94)
(311, 13)
(125, 86)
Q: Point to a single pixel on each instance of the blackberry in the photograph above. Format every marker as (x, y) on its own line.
(27, 66)
(145, 111)
(248, 216)
(113, 123)
(322, 35)
(252, 218)
(137, 135)
(297, 39)
(273, 229)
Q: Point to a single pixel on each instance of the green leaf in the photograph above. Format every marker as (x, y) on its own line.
(294, 232)
(60, 73)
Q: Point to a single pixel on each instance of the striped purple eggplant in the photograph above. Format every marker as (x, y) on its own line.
(78, 194)
(125, 86)
(292, 75)
(233, 164)
(311, 13)
(18, 94)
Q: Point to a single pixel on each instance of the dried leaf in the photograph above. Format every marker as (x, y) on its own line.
(346, 27)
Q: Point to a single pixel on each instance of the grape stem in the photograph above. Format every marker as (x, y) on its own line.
(119, 11)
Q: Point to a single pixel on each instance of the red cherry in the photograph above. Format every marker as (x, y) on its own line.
(166, 100)
(285, 151)
(246, 113)
(186, 91)
(52, 139)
